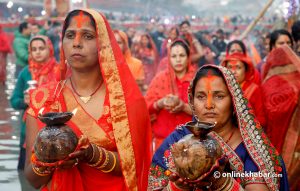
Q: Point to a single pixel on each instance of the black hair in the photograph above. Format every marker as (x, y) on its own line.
(240, 43)
(37, 38)
(296, 31)
(176, 30)
(75, 13)
(220, 31)
(182, 43)
(149, 45)
(185, 22)
(23, 26)
(204, 72)
(275, 35)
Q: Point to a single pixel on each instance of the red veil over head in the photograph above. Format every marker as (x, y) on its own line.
(131, 129)
(129, 117)
(281, 89)
(249, 78)
(47, 71)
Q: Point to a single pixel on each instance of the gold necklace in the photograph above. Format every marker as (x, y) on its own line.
(85, 99)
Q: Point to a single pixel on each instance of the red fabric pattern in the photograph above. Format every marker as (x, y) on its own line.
(139, 124)
(281, 91)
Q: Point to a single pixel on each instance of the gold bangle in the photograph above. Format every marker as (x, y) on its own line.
(106, 160)
(93, 154)
(114, 164)
(38, 172)
(100, 158)
(230, 185)
(223, 185)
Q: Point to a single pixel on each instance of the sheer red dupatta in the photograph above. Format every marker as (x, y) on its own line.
(130, 120)
(281, 89)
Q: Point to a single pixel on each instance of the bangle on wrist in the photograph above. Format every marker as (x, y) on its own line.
(114, 164)
(99, 159)
(93, 155)
(104, 164)
(38, 172)
(221, 187)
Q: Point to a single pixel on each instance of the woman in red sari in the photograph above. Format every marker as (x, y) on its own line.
(167, 94)
(238, 46)
(281, 90)
(42, 69)
(4, 50)
(115, 153)
(243, 69)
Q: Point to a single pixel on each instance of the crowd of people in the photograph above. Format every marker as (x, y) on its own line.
(134, 91)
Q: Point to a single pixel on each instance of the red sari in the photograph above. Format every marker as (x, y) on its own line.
(281, 89)
(163, 84)
(122, 126)
(251, 90)
(4, 50)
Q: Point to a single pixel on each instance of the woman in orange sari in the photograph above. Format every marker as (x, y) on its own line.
(243, 69)
(167, 94)
(115, 153)
(135, 65)
(281, 90)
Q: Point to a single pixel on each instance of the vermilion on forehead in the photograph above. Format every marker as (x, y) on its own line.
(210, 83)
(208, 80)
(233, 62)
(81, 18)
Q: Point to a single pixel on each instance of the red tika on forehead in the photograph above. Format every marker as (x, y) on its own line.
(208, 80)
(233, 64)
(81, 18)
